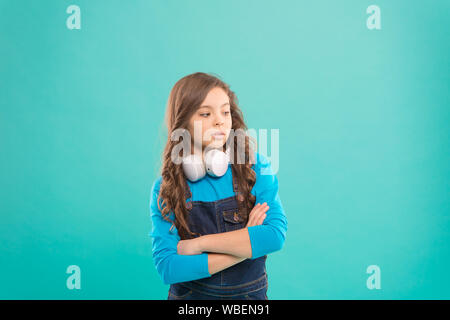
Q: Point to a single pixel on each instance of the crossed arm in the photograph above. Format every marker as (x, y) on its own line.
(225, 249)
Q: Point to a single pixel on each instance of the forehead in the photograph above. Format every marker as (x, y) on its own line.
(216, 97)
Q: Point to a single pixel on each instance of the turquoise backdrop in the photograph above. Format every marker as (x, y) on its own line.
(363, 118)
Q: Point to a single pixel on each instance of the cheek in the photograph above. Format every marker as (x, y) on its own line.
(198, 124)
(229, 122)
(227, 128)
(206, 125)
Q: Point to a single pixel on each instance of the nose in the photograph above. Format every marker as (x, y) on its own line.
(219, 120)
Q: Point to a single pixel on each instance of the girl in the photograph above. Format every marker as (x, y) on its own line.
(211, 237)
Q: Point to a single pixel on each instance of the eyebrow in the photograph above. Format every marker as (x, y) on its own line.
(206, 106)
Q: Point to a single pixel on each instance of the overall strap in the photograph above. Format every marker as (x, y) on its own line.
(188, 193)
(235, 185)
(239, 195)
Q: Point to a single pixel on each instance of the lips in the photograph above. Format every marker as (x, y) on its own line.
(218, 134)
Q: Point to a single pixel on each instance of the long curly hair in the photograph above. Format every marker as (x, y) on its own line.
(184, 99)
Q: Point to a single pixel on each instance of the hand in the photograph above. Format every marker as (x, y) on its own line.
(257, 215)
(189, 247)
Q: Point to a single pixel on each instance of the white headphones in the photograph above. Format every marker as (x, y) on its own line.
(215, 164)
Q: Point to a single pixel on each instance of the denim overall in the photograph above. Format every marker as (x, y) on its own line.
(246, 280)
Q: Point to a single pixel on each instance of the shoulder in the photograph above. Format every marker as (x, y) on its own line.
(261, 159)
(156, 185)
(155, 191)
(155, 202)
(262, 164)
(266, 184)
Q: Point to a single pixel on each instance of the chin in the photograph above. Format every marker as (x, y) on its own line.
(216, 144)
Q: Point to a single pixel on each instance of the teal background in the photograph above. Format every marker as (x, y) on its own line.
(364, 139)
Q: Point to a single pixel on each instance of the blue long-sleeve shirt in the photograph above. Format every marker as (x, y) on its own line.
(264, 239)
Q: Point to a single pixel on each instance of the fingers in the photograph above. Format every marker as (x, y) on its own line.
(254, 214)
(261, 214)
(261, 218)
(258, 214)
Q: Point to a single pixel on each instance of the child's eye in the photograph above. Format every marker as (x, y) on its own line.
(227, 112)
(204, 114)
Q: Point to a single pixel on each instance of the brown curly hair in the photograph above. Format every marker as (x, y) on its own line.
(184, 99)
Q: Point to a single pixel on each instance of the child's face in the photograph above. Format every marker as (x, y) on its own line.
(211, 118)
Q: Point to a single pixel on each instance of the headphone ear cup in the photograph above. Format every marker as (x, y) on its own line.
(193, 167)
(216, 163)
